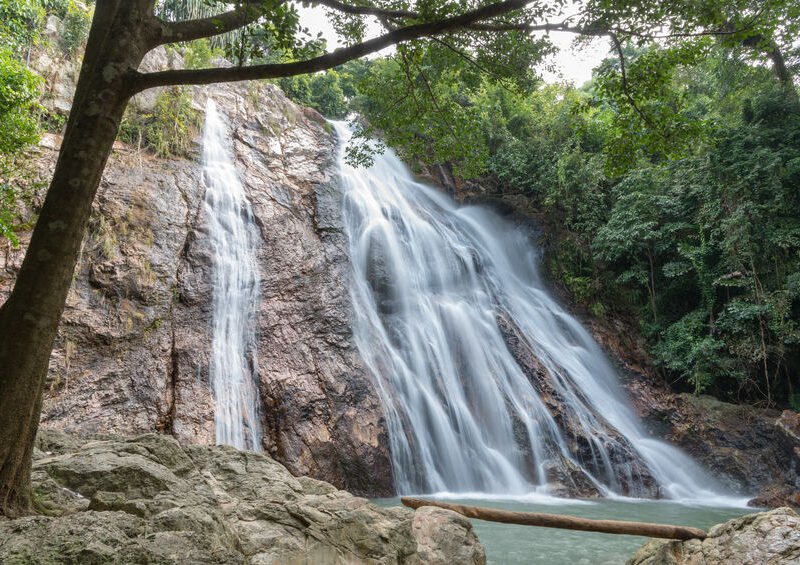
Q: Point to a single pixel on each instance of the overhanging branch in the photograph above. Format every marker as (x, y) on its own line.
(470, 60)
(144, 81)
(365, 10)
(247, 13)
(528, 28)
(625, 89)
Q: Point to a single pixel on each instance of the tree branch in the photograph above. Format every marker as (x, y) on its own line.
(365, 10)
(471, 61)
(247, 13)
(600, 31)
(409, 82)
(329, 60)
(528, 28)
(621, 55)
(667, 531)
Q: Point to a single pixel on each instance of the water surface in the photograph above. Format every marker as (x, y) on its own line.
(510, 544)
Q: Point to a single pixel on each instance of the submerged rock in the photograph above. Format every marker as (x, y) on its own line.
(150, 500)
(768, 538)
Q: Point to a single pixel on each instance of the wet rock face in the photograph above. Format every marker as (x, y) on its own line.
(785, 491)
(770, 538)
(321, 412)
(149, 500)
(752, 451)
(112, 367)
(132, 354)
(564, 476)
(746, 448)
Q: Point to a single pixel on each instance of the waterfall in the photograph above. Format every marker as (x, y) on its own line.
(233, 234)
(488, 384)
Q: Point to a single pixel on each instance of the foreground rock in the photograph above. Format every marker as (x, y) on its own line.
(149, 500)
(768, 538)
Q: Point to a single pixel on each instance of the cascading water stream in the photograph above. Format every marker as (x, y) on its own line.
(233, 234)
(488, 384)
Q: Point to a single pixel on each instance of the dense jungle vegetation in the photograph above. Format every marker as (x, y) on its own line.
(668, 185)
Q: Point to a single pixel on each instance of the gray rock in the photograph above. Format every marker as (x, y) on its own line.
(150, 500)
(53, 28)
(768, 538)
(445, 537)
(159, 59)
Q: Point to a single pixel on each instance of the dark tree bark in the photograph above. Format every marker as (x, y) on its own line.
(29, 318)
(769, 48)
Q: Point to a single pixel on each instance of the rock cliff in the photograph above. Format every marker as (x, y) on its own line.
(752, 451)
(149, 500)
(132, 350)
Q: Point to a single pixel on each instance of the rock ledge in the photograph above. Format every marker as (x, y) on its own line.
(150, 500)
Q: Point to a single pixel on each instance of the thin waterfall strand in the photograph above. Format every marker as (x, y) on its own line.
(436, 289)
(233, 235)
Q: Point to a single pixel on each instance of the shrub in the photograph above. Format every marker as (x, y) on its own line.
(321, 91)
(20, 21)
(19, 91)
(56, 7)
(76, 27)
(169, 129)
(198, 54)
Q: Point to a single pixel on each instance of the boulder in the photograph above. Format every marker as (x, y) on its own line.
(150, 500)
(768, 538)
(443, 536)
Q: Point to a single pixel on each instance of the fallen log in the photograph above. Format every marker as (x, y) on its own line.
(666, 531)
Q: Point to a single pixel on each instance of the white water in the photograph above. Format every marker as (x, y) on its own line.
(233, 235)
(431, 280)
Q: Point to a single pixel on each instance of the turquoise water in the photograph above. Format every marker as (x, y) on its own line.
(509, 544)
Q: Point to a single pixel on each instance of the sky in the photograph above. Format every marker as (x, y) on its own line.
(569, 64)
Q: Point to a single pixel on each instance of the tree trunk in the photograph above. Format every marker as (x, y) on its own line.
(780, 69)
(665, 531)
(769, 47)
(29, 318)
